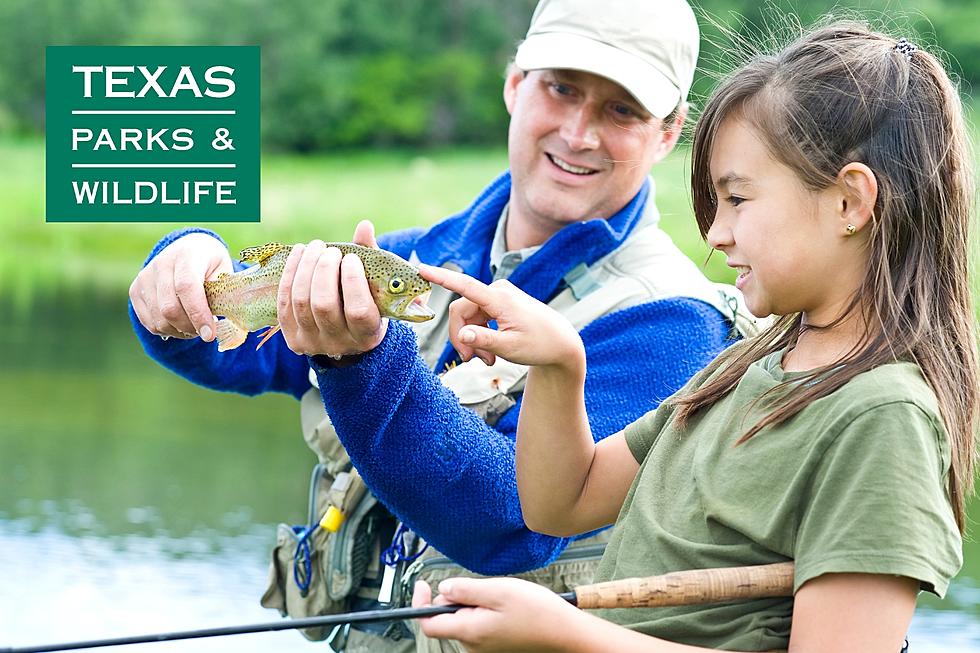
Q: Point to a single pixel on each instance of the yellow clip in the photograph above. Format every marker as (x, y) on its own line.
(332, 519)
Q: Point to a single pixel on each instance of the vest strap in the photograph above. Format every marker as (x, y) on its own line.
(581, 281)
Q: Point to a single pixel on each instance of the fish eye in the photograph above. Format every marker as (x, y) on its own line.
(396, 285)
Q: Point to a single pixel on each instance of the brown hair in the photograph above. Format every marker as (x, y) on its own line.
(845, 93)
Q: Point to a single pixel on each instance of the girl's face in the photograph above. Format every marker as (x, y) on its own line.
(787, 242)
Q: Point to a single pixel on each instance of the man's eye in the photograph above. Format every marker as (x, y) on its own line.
(623, 110)
(561, 89)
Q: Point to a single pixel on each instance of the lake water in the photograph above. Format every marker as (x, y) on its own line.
(133, 502)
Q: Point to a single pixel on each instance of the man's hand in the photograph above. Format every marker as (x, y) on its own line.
(168, 294)
(325, 305)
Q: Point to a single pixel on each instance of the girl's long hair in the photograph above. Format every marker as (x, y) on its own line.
(845, 93)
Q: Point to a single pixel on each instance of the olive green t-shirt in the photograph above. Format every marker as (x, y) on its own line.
(855, 482)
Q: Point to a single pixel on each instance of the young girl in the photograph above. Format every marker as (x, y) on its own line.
(834, 177)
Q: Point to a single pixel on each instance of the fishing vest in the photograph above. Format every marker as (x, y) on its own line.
(646, 267)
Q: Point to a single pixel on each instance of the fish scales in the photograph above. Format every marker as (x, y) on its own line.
(249, 297)
(246, 300)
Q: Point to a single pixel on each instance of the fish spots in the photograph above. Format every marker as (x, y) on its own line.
(249, 297)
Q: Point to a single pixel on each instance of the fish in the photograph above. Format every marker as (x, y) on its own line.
(246, 300)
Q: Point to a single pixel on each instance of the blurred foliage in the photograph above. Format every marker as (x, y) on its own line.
(730, 28)
(335, 73)
(346, 73)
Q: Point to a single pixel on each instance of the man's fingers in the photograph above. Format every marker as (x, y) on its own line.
(140, 307)
(167, 310)
(155, 323)
(462, 284)
(363, 317)
(364, 234)
(189, 288)
(325, 299)
(302, 285)
(284, 303)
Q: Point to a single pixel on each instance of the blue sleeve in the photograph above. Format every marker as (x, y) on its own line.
(244, 370)
(449, 476)
(401, 242)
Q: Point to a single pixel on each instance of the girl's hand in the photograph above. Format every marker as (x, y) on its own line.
(508, 615)
(528, 332)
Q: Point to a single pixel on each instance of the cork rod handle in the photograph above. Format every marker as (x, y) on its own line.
(694, 587)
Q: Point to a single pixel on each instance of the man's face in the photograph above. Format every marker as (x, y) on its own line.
(579, 146)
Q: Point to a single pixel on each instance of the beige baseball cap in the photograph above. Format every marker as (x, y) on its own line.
(649, 47)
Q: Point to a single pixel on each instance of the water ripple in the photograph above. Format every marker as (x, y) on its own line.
(108, 587)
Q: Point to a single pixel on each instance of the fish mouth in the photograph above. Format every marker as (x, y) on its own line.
(416, 309)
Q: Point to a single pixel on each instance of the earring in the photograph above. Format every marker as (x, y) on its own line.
(850, 229)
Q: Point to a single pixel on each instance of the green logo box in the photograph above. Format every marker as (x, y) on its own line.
(152, 134)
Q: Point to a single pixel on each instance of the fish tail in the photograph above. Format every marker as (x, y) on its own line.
(229, 334)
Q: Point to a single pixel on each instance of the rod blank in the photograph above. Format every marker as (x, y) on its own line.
(694, 587)
(367, 616)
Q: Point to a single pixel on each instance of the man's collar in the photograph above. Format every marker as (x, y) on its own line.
(503, 261)
(466, 238)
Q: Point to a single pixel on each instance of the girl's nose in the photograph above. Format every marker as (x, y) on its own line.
(579, 130)
(720, 233)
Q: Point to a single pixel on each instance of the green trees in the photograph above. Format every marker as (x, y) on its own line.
(352, 73)
(334, 72)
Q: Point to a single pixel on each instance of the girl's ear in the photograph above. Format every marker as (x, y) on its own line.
(859, 192)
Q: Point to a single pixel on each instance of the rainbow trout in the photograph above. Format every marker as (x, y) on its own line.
(246, 300)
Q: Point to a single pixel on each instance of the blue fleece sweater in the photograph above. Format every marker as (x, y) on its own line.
(433, 463)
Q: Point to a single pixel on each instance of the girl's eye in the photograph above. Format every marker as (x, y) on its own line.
(396, 285)
(734, 200)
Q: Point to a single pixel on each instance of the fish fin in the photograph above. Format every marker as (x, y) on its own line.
(265, 336)
(229, 335)
(260, 253)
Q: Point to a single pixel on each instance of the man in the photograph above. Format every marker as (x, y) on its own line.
(596, 97)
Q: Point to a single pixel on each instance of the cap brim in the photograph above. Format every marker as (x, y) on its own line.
(649, 86)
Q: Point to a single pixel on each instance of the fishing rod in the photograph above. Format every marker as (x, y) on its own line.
(694, 587)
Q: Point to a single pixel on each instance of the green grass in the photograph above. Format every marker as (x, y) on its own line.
(303, 197)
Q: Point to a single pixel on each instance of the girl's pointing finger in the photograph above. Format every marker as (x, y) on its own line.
(462, 284)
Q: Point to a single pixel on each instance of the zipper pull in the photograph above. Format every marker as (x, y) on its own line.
(387, 584)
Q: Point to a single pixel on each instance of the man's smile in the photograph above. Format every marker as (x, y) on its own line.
(568, 167)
